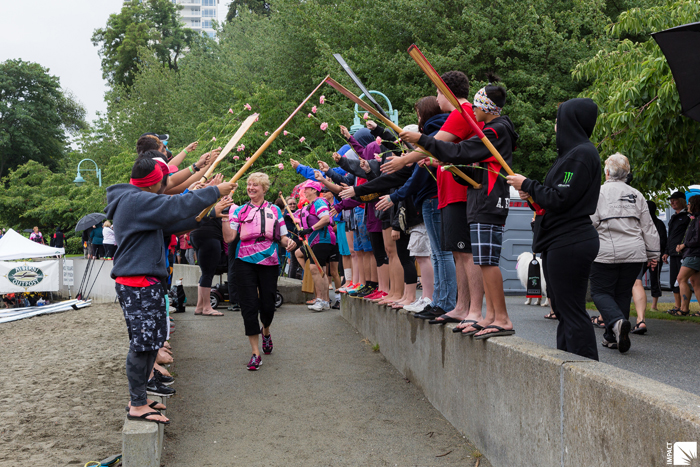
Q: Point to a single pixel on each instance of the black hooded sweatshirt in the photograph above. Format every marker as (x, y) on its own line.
(570, 191)
(489, 204)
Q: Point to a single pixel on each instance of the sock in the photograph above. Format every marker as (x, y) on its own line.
(348, 275)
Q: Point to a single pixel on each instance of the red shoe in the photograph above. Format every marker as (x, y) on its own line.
(376, 295)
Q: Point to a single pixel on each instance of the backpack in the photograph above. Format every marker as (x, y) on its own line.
(258, 224)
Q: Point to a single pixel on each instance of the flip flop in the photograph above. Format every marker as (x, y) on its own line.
(478, 328)
(445, 319)
(499, 332)
(216, 313)
(151, 405)
(464, 321)
(550, 316)
(143, 418)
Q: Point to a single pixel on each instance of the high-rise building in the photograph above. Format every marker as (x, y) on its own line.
(197, 14)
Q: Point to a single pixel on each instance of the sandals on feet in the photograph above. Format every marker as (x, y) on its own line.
(551, 315)
(598, 322)
(638, 329)
(679, 312)
(499, 331)
(143, 418)
(464, 321)
(476, 326)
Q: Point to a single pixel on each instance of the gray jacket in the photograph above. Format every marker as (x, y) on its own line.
(626, 230)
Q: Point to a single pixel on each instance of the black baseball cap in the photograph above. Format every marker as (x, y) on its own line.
(162, 138)
(677, 195)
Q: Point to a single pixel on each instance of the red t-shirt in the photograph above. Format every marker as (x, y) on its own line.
(450, 191)
(136, 281)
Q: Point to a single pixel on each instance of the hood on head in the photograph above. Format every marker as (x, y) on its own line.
(114, 194)
(576, 120)
(434, 123)
(363, 136)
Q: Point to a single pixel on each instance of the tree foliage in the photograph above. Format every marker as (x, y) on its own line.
(259, 7)
(640, 108)
(154, 25)
(35, 115)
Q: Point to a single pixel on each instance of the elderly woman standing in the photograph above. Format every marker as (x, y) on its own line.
(261, 228)
(628, 239)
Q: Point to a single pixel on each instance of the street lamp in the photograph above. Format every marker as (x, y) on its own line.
(79, 180)
(357, 122)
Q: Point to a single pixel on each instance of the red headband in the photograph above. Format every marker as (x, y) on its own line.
(151, 179)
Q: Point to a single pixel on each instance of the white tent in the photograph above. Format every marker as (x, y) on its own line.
(15, 246)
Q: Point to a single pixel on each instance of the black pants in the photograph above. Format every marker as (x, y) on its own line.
(257, 288)
(208, 257)
(410, 275)
(232, 286)
(295, 270)
(98, 251)
(611, 289)
(674, 266)
(566, 271)
(109, 250)
(654, 278)
(377, 241)
(138, 369)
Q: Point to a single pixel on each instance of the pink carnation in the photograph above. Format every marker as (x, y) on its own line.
(378, 140)
(285, 133)
(309, 116)
(280, 166)
(280, 152)
(247, 107)
(324, 126)
(322, 100)
(378, 157)
(314, 109)
(235, 158)
(247, 158)
(257, 118)
(230, 111)
(366, 116)
(213, 138)
(267, 133)
(302, 139)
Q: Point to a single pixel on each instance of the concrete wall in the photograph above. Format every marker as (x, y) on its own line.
(103, 288)
(523, 404)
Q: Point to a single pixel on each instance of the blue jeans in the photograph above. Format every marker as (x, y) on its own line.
(445, 295)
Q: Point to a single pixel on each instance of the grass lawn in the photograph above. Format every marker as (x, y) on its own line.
(694, 308)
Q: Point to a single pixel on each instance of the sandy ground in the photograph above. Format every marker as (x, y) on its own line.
(323, 398)
(62, 387)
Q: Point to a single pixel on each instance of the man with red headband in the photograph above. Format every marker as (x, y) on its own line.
(144, 217)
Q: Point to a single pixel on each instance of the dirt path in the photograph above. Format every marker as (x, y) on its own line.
(322, 398)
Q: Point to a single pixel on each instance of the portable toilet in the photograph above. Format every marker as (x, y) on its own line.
(517, 238)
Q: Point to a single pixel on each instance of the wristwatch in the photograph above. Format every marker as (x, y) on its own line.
(195, 168)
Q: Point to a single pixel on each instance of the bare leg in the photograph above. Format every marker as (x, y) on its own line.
(254, 341)
(334, 274)
(493, 288)
(395, 269)
(427, 277)
(639, 296)
(320, 283)
(476, 289)
(683, 276)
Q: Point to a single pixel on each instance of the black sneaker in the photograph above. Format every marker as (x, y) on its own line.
(161, 378)
(427, 309)
(336, 304)
(266, 343)
(366, 290)
(431, 313)
(234, 307)
(155, 388)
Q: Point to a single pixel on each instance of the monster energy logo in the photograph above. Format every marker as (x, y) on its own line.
(567, 177)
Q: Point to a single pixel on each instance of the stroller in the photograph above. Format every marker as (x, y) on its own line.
(219, 292)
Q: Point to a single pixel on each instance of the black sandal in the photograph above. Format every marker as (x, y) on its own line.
(151, 405)
(551, 315)
(672, 310)
(464, 321)
(639, 330)
(680, 312)
(598, 322)
(143, 418)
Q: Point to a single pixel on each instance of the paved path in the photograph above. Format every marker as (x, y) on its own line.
(668, 352)
(323, 398)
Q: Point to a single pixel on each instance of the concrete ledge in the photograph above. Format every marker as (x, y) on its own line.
(523, 404)
(142, 442)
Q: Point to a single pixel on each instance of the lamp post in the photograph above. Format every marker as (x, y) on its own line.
(79, 180)
(357, 122)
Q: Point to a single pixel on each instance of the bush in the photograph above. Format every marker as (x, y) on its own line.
(74, 246)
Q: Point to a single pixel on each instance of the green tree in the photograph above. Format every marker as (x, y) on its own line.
(259, 7)
(154, 25)
(640, 111)
(35, 115)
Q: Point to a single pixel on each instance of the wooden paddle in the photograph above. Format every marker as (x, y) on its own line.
(245, 126)
(428, 69)
(264, 146)
(338, 87)
(306, 242)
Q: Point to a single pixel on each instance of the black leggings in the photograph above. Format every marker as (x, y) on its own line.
(208, 257)
(377, 241)
(257, 290)
(232, 288)
(566, 271)
(410, 275)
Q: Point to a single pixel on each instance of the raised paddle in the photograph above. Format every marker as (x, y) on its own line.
(338, 87)
(245, 126)
(306, 242)
(264, 146)
(428, 69)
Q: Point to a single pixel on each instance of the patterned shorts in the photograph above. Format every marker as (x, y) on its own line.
(145, 315)
(487, 240)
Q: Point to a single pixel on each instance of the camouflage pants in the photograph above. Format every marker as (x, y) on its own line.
(145, 315)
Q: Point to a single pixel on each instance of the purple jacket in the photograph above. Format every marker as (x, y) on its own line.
(373, 224)
(366, 153)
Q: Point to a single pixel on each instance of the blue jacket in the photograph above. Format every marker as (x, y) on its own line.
(421, 185)
(96, 236)
(308, 172)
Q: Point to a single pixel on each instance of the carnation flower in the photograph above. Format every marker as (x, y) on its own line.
(324, 126)
(267, 133)
(280, 152)
(314, 109)
(247, 107)
(366, 116)
(280, 166)
(230, 111)
(213, 138)
(247, 158)
(378, 157)
(322, 100)
(285, 133)
(309, 116)
(302, 139)
(378, 140)
(235, 158)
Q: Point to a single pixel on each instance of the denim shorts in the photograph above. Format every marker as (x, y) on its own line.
(361, 241)
(692, 262)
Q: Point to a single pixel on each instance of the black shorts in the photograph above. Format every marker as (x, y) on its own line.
(455, 229)
(335, 257)
(322, 251)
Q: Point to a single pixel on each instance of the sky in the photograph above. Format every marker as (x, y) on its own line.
(56, 34)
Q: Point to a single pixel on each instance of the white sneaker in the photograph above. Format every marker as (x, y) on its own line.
(313, 304)
(413, 304)
(420, 306)
(320, 305)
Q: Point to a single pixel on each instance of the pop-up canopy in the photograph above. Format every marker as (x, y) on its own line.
(15, 246)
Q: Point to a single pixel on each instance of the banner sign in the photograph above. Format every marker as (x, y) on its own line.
(17, 276)
(68, 272)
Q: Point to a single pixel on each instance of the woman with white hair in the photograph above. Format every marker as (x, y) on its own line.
(628, 239)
